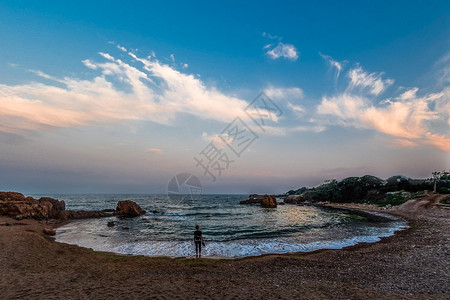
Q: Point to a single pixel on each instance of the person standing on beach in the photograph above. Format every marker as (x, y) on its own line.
(198, 240)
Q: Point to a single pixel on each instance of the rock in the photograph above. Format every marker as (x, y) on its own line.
(49, 231)
(294, 199)
(269, 201)
(18, 206)
(128, 208)
(253, 199)
(83, 214)
(111, 224)
(125, 228)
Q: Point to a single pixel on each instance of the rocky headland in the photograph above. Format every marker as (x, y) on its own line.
(17, 206)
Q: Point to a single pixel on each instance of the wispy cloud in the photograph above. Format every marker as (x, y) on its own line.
(220, 140)
(298, 110)
(270, 36)
(123, 49)
(154, 150)
(277, 93)
(373, 82)
(283, 50)
(120, 91)
(333, 63)
(409, 118)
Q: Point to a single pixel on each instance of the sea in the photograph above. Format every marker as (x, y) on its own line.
(230, 230)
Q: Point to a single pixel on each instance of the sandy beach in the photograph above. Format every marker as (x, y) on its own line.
(412, 264)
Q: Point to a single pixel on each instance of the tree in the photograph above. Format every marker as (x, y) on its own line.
(438, 176)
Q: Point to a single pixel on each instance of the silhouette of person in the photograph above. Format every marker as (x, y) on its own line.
(198, 240)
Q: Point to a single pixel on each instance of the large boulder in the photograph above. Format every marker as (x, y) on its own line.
(253, 199)
(16, 205)
(294, 199)
(128, 208)
(269, 201)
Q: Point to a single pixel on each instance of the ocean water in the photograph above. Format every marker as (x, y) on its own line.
(229, 229)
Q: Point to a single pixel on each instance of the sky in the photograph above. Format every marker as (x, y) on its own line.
(109, 97)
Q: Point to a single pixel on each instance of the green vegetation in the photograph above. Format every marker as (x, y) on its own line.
(372, 190)
(394, 199)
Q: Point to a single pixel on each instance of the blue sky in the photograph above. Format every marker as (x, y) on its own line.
(108, 97)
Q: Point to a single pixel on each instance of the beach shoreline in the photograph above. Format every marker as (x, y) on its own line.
(412, 263)
(373, 215)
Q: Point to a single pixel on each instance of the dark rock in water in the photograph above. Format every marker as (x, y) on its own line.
(155, 212)
(83, 214)
(111, 224)
(253, 199)
(125, 228)
(250, 201)
(269, 201)
(264, 200)
(281, 203)
(49, 231)
(128, 208)
(110, 210)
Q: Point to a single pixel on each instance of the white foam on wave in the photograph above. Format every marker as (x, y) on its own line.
(72, 234)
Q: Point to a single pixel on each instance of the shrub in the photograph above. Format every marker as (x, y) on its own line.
(394, 199)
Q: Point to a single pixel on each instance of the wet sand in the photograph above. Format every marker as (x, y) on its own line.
(412, 264)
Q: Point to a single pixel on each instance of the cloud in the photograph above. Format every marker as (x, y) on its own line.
(411, 120)
(219, 140)
(272, 37)
(154, 150)
(298, 110)
(370, 81)
(334, 64)
(123, 49)
(119, 91)
(443, 71)
(284, 93)
(283, 50)
(172, 57)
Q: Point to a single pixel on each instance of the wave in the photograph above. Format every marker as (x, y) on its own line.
(233, 249)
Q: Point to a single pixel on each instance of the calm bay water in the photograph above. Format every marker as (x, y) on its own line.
(229, 229)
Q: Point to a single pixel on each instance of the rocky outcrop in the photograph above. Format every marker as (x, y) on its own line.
(269, 201)
(253, 199)
(83, 214)
(128, 208)
(49, 231)
(294, 199)
(16, 205)
(264, 200)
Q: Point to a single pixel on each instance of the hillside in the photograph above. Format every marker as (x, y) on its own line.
(368, 189)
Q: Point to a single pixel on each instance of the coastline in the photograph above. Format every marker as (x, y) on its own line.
(374, 216)
(413, 264)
